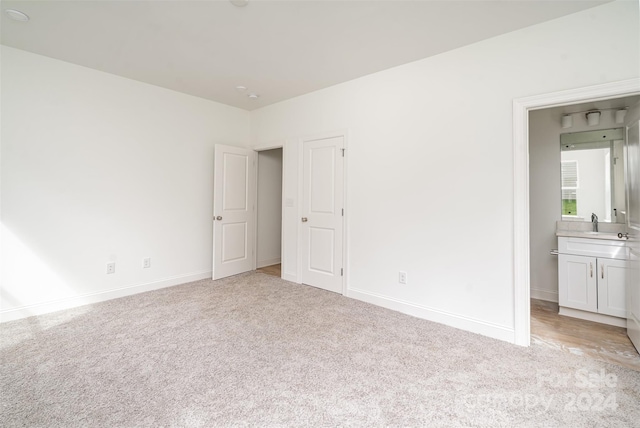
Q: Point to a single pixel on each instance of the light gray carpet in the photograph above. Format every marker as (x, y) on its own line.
(253, 350)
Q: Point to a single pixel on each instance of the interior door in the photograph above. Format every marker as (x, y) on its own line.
(633, 299)
(233, 211)
(322, 213)
(632, 181)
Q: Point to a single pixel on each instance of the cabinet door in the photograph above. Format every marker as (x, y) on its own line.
(577, 276)
(611, 287)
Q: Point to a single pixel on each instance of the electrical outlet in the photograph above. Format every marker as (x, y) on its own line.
(111, 267)
(402, 277)
(146, 262)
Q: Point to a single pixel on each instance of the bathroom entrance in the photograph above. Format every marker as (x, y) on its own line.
(576, 174)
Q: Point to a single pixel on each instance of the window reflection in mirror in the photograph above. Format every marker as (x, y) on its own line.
(592, 171)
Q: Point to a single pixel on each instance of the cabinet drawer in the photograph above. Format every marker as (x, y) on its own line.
(593, 248)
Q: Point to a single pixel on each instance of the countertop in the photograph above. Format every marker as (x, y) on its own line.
(589, 235)
(582, 229)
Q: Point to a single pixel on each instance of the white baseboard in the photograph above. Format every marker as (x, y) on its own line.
(549, 296)
(289, 276)
(592, 316)
(270, 262)
(453, 320)
(90, 298)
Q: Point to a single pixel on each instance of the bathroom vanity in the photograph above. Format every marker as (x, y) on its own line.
(592, 271)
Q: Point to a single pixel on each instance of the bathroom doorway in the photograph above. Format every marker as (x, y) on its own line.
(547, 205)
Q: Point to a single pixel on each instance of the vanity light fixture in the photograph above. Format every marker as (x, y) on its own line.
(16, 15)
(593, 117)
(620, 114)
(567, 121)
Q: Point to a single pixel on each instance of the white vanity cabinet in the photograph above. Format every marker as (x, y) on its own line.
(592, 284)
(592, 278)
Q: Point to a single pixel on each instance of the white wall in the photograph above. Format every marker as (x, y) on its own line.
(99, 168)
(545, 205)
(269, 235)
(544, 192)
(430, 161)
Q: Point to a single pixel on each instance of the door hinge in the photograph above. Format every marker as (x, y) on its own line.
(341, 272)
(343, 152)
(343, 212)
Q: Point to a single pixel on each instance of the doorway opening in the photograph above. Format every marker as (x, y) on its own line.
(538, 205)
(269, 212)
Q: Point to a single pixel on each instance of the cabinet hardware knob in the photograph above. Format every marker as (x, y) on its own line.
(304, 219)
(219, 218)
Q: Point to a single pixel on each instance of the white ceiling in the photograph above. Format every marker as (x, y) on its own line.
(279, 49)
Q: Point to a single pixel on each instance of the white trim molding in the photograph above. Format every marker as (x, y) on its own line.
(101, 296)
(546, 295)
(521, 109)
(261, 147)
(269, 262)
(592, 316)
(461, 322)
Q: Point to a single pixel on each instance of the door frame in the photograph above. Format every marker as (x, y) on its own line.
(262, 148)
(345, 255)
(521, 256)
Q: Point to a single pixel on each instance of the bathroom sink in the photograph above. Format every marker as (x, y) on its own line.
(611, 235)
(588, 234)
(594, 244)
(602, 235)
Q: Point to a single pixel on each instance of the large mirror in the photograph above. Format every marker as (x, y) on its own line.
(592, 170)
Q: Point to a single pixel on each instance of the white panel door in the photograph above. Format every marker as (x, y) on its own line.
(233, 211)
(322, 213)
(632, 180)
(633, 298)
(612, 276)
(577, 276)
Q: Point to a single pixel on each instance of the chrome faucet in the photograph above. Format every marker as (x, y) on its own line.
(594, 220)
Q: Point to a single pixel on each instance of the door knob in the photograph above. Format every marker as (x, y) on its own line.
(219, 218)
(304, 219)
